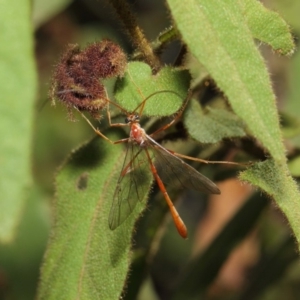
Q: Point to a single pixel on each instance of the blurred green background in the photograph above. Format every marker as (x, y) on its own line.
(264, 267)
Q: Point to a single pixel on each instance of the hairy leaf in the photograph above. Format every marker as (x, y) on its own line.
(85, 258)
(165, 91)
(213, 126)
(268, 27)
(276, 181)
(225, 47)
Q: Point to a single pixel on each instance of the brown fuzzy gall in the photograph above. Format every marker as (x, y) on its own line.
(76, 79)
(105, 59)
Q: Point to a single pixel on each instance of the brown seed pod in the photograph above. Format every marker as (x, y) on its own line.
(76, 80)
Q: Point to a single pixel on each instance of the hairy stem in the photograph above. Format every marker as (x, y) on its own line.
(136, 34)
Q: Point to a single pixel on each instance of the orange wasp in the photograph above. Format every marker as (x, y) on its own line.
(164, 164)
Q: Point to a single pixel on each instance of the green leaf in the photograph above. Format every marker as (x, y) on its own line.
(213, 126)
(277, 182)
(289, 9)
(170, 86)
(18, 90)
(268, 27)
(225, 47)
(86, 259)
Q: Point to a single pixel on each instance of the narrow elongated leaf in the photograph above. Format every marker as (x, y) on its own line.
(225, 46)
(276, 181)
(213, 126)
(86, 259)
(17, 89)
(166, 90)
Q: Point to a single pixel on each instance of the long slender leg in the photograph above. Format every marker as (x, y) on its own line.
(180, 226)
(121, 141)
(109, 116)
(209, 161)
(97, 131)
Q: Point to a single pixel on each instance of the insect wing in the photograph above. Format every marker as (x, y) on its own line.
(132, 185)
(174, 170)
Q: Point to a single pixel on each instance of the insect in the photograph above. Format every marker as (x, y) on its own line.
(164, 164)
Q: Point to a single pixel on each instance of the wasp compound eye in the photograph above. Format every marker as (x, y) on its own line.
(77, 77)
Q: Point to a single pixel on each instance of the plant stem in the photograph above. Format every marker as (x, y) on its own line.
(165, 37)
(136, 34)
